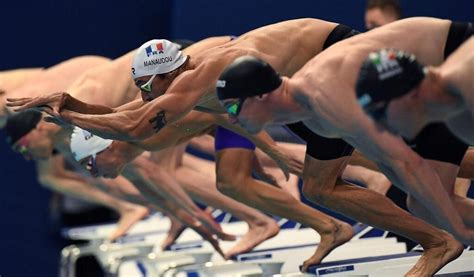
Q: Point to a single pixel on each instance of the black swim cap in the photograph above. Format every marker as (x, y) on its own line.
(21, 124)
(247, 76)
(183, 43)
(385, 75)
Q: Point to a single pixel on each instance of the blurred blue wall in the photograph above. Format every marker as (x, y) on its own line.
(43, 33)
(200, 19)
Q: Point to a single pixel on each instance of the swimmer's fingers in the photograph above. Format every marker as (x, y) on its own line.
(207, 235)
(9, 99)
(295, 164)
(267, 177)
(208, 221)
(260, 172)
(28, 103)
(55, 101)
(17, 102)
(283, 165)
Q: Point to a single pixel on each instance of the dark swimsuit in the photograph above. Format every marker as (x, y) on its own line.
(317, 146)
(434, 142)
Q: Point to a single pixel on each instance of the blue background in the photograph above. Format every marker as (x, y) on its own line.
(43, 33)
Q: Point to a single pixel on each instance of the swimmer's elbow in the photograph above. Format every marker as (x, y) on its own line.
(135, 132)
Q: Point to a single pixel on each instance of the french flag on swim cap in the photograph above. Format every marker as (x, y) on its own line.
(154, 49)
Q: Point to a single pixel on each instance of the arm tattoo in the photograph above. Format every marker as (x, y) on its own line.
(159, 120)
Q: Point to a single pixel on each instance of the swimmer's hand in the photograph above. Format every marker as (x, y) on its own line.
(52, 104)
(58, 120)
(207, 235)
(260, 171)
(208, 221)
(289, 163)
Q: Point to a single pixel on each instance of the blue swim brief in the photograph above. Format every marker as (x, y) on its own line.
(228, 139)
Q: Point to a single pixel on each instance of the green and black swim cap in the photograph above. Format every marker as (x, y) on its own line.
(20, 124)
(247, 76)
(385, 75)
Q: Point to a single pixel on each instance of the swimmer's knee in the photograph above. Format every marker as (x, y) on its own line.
(230, 182)
(315, 193)
(228, 188)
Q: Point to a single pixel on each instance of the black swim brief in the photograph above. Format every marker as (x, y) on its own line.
(317, 146)
(436, 142)
(458, 33)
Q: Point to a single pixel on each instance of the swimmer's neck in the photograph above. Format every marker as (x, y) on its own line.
(297, 103)
(281, 106)
(438, 98)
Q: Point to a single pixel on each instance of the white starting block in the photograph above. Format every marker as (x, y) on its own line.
(155, 223)
(265, 258)
(462, 266)
(391, 265)
(152, 224)
(155, 264)
(112, 255)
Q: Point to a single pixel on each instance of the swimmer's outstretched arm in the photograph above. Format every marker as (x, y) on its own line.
(186, 91)
(62, 101)
(410, 172)
(53, 175)
(78, 106)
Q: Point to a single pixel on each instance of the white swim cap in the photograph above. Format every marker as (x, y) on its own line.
(84, 144)
(157, 56)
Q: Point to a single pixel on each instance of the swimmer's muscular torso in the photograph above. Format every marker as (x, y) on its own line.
(109, 84)
(287, 46)
(12, 79)
(54, 79)
(115, 81)
(9, 81)
(270, 43)
(425, 37)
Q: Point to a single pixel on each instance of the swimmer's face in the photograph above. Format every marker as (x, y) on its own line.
(376, 17)
(34, 145)
(152, 87)
(405, 115)
(96, 167)
(22, 147)
(249, 114)
(89, 164)
(108, 163)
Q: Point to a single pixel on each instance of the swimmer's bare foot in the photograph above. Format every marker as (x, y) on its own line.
(341, 234)
(436, 256)
(128, 217)
(256, 234)
(176, 229)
